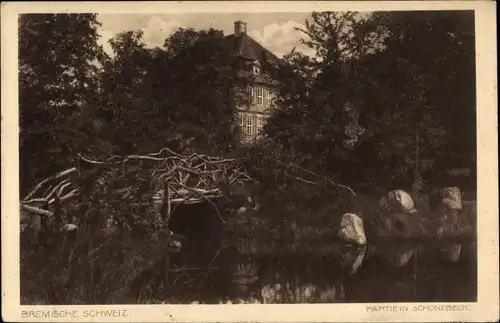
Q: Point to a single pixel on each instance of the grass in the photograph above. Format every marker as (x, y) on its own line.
(99, 268)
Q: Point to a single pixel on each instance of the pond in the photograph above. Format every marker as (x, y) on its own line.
(246, 269)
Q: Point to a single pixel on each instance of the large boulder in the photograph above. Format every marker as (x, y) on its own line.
(398, 201)
(451, 198)
(352, 229)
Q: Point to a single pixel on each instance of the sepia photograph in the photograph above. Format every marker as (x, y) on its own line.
(314, 157)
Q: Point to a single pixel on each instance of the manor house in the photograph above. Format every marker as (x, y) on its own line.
(252, 58)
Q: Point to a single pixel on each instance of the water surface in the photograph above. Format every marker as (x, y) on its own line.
(262, 270)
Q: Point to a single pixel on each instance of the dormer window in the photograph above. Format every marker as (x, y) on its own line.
(256, 68)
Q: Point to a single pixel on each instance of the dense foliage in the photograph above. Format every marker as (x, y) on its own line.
(380, 100)
(57, 76)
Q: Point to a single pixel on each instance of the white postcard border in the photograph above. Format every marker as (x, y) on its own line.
(487, 307)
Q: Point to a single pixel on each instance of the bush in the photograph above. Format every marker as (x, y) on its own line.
(119, 237)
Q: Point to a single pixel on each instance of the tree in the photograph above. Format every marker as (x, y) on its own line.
(316, 91)
(162, 97)
(199, 90)
(127, 109)
(414, 108)
(379, 104)
(58, 66)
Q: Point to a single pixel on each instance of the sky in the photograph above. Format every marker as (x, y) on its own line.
(275, 31)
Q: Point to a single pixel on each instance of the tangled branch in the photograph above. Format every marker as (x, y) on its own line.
(192, 178)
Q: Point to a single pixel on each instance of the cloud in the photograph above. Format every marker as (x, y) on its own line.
(158, 29)
(106, 35)
(281, 39)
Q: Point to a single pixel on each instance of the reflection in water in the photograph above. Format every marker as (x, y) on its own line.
(301, 293)
(352, 257)
(255, 270)
(394, 254)
(451, 252)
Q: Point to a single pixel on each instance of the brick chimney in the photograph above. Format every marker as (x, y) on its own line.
(240, 27)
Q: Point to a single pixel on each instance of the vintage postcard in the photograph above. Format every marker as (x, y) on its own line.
(260, 161)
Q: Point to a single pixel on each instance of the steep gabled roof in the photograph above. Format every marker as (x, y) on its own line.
(246, 47)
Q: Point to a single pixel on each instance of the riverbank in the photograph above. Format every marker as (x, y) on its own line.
(422, 226)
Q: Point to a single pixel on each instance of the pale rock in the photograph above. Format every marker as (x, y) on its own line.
(452, 198)
(399, 201)
(352, 229)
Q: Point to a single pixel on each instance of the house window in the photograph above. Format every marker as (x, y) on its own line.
(256, 70)
(241, 119)
(260, 96)
(251, 93)
(248, 127)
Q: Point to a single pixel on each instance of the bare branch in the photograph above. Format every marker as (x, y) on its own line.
(56, 188)
(68, 196)
(322, 177)
(54, 177)
(91, 161)
(36, 210)
(306, 181)
(37, 200)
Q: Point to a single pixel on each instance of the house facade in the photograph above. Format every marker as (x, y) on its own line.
(251, 59)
